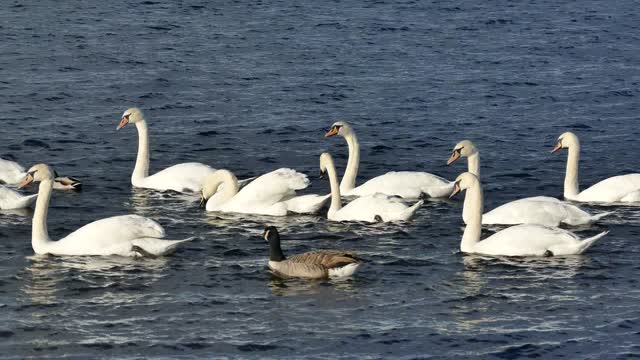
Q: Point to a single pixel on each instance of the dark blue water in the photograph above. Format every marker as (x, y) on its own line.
(253, 86)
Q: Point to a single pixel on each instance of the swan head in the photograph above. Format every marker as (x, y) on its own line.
(326, 161)
(463, 182)
(131, 116)
(339, 128)
(565, 141)
(37, 173)
(464, 148)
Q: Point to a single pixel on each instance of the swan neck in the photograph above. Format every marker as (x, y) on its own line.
(336, 203)
(473, 208)
(473, 164)
(212, 186)
(351, 172)
(141, 170)
(39, 234)
(571, 187)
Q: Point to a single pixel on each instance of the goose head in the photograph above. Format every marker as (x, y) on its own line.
(566, 141)
(463, 182)
(131, 116)
(464, 148)
(339, 128)
(37, 173)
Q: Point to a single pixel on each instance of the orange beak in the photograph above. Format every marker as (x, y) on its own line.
(456, 189)
(454, 156)
(28, 180)
(333, 131)
(123, 122)
(558, 147)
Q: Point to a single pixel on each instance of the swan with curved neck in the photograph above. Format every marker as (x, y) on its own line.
(519, 240)
(270, 194)
(128, 235)
(369, 208)
(406, 184)
(621, 188)
(186, 177)
(542, 210)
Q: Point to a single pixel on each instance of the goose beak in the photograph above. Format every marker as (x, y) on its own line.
(456, 189)
(123, 122)
(28, 180)
(454, 156)
(558, 147)
(333, 131)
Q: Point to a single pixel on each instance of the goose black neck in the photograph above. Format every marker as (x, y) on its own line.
(275, 252)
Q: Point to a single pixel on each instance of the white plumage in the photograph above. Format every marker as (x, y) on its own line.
(10, 199)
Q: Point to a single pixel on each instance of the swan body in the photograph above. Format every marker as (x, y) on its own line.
(520, 240)
(127, 235)
(621, 188)
(369, 208)
(541, 210)
(12, 173)
(187, 177)
(314, 264)
(406, 184)
(266, 195)
(307, 204)
(10, 199)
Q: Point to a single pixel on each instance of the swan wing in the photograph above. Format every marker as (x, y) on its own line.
(613, 189)
(528, 240)
(108, 236)
(539, 210)
(271, 188)
(367, 208)
(406, 184)
(187, 177)
(307, 204)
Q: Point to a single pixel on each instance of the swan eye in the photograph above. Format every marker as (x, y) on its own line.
(126, 116)
(337, 127)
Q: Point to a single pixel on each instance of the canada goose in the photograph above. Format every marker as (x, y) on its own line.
(314, 264)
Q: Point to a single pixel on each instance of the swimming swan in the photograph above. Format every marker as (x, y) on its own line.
(369, 208)
(128, 235)
(621, 188)
(186, 177)
(406, 184)
(519, 240)
(270, 194)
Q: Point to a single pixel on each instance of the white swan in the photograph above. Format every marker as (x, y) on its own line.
(622, 188)
(270, 194)
(128, 235)
(406, 184)
(12, 173)
(10, 199)
(187, 177)
(369, 208)
(519, 240)
(542, 210)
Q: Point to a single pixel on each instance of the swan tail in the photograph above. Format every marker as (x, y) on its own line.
(597, 217)
(586, 243)
(151, 247)
(408, 213)
(344, 271)
(24, 202)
